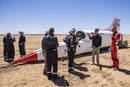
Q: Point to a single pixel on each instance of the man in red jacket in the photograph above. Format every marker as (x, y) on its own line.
(114, 47)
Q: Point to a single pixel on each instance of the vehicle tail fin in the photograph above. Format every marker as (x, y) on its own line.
(116, 22)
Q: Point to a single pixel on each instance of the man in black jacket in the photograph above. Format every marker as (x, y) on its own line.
(96, 43)
(22, 40)
(71, 43)
(49, 45)
(9, 51)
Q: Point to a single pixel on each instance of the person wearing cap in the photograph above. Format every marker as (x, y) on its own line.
(96, 43)
(9, 51)
(44, 54)
(50, 44)
(115, 37)
(71, 43)
(22, 41)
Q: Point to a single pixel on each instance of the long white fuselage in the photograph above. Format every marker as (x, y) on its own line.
(85, 44)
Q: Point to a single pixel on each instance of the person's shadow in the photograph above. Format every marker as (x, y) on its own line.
(80, 75)
(124, 71)
(103, 66)
(79, 67)
(60, 82)
(120, 69)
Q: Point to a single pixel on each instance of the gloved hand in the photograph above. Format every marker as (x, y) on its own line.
(113, 38)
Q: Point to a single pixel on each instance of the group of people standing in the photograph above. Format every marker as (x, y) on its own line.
(50, 44)
(9, 49)
(49, 49)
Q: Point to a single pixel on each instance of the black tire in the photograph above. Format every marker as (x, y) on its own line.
(120, 44)
(125, 45)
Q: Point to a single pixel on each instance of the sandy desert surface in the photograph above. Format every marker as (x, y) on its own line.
(85, 75)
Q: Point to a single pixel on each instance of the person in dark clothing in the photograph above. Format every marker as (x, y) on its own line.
(71, 43)
(44, 54)
(22, 41)
(9, 51)
(96, 43)
(50, 44)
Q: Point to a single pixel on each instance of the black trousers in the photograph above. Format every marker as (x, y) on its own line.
(9, 53)
(71, 54)
(52, 62)
(22, 50)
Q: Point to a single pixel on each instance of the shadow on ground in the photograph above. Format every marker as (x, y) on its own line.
(80, 75)
(79, 67)
(125, 71)
(104, 66)
(61, 82)
(120, 69)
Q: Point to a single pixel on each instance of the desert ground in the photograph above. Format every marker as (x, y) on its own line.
(85, 75)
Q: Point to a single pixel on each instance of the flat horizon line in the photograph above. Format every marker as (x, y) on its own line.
(40, 34)
(30, 34)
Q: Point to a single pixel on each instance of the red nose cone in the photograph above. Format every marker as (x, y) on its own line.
(92, 33)
(29, 58)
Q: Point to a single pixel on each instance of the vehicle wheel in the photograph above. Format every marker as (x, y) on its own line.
(125, 44)
(120, 44)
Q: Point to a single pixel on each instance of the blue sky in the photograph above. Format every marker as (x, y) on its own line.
(37, 16)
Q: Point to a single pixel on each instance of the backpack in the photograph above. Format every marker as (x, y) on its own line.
(67, 39)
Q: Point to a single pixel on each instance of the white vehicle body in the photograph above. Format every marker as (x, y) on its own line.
(85, 44)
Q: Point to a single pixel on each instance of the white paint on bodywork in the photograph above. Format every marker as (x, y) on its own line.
(85, 45)
(40, 55)
(62, 50)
